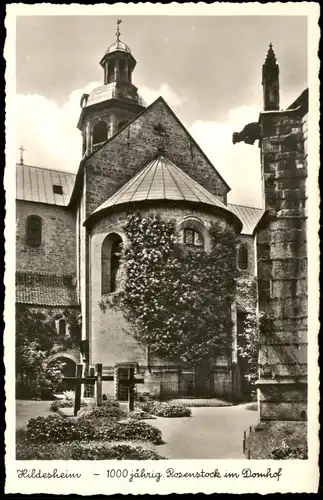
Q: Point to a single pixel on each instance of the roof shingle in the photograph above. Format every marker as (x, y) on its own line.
(45, 289)
(161, 179)
(249, 216)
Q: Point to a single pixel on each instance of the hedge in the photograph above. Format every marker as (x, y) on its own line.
(90, 450)
(167, 410)
(57, 429)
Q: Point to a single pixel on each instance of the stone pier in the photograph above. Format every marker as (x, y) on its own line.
(282, 264)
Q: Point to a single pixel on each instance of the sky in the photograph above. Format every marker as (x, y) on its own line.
(207, 68)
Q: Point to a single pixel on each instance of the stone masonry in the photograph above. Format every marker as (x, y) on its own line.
(133, 147)
(282, 266)
(56, 254)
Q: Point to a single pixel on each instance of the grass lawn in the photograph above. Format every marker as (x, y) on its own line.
(26, 409)
(261, 443)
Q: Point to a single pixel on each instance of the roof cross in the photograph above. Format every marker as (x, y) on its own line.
(22, 149)
(119, 21)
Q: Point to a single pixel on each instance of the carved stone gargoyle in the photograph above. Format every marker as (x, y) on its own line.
(249, 134)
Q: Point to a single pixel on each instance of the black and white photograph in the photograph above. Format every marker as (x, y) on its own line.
(162, 248)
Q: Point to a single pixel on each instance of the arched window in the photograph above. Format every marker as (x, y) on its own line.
(193, 233)
(68, 370)
(110, 263)
(192, 238)
(100, 132)
(34, 231)
(243, 257)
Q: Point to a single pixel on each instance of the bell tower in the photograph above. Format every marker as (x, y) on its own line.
(270, 81)
(108, 108)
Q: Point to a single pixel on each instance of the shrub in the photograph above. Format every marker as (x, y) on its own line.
(140, 415)
(90, 450)
(61, 403)
(110, 408)
(280, 440)
(64, 403)
(56, 429)
(286, 452)
(167, 410)
(143, 397)
(129, 431)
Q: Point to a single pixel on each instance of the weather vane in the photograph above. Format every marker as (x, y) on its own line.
(119, 21)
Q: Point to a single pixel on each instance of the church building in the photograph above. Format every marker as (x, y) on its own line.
(134, 158)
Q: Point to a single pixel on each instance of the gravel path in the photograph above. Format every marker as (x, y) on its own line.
(210, 433)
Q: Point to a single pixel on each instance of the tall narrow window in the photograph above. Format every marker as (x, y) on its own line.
(110, 263)
(100, 132)
(84, 145)
(34, 231)
(111, 66)
(122, 70)
(62, 327)
(243, 258)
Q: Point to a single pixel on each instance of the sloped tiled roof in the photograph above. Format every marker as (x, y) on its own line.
(249, 216)
(161, 179)
(45, 289)
(36, 184)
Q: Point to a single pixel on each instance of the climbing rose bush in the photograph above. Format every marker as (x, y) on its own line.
(258, 327)
(177, 300)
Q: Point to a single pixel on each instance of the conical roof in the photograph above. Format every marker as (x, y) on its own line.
(161, 179)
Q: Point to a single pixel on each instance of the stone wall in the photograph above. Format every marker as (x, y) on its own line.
(57, 250)
(130, 150)
(282, 267)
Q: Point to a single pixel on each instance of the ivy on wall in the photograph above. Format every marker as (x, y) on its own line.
(74, 322)
(257, 331)
(35, 337)
(176, 299)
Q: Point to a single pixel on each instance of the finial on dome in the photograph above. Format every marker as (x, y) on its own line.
(119, 21)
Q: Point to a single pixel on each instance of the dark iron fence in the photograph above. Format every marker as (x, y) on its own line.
(189, 386)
